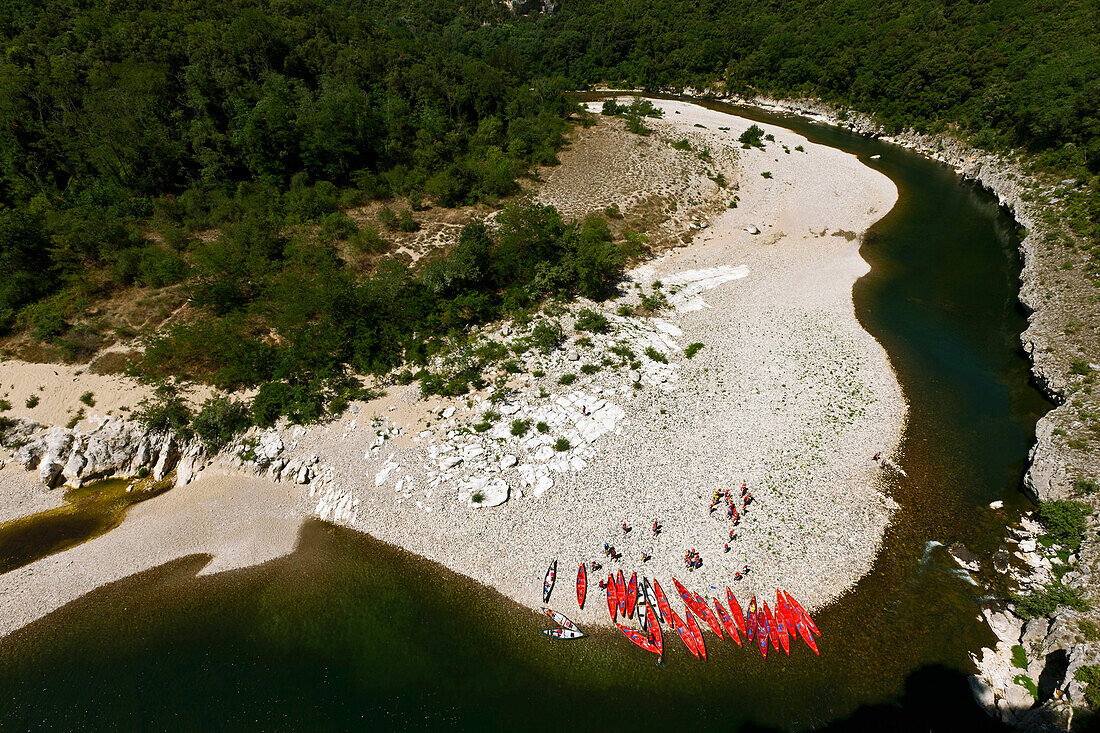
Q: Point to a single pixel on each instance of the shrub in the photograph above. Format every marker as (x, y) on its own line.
(4, 405)
(166, 411)
(655, 355)
(481, 427)
(766, 174)
(1019, 657)
(1045, 601)
(682, 145)
(692, 349)
(369, 241)
(590, 369)
(1080, 366)
(338, 225)
(478, 496)
(567, 379)
(88, 398)
(520, 427)
(1090, 629)
(220, 420)
(1064, 522)
(546, 336)
(752, 137)
(1089, 676)
(562, 444)
(1085, 486)
(542, 427)
(32, 401)
(590, 320)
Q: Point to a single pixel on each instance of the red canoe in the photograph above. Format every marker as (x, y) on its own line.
(685, 596)
(696, 634)
(708, 615)
(761, 632)
(773, 629)
(638, 638)
(620, 590)
(612, 597)
(582, 585)
(751, 621)
(807, 637)
(727, 623)
(735, 611)
(781, 622)
(802, 612)
(662, 603)
(682, 630)
(631, 595)
(655, 637)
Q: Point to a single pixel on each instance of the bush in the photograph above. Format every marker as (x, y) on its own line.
(88, 398)
(32, 401)
(520, 427)
(766, 174)
(567, 379)
(338, 225)
(1080, 366)
(1089, 676)
(590, 369)
(1045, 601)
(590, 320)
(752, 137)
(5, 405)
(546, 336)
(562, 445)
(369, 241)
(692, 349)
(655, 355)
(1085, 486)
(1064, 522)
(542, 427)
(220, 420)
(165, 412)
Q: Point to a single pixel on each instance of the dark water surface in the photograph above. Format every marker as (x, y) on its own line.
(350, 633)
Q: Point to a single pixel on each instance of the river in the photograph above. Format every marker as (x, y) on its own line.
(349, 633)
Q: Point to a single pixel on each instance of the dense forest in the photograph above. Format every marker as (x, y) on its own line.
(211, 148)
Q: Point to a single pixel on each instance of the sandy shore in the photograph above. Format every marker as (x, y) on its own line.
(788, 394)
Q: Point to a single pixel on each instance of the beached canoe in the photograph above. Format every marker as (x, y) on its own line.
(682, 630)
(751, 620)
(548, 581)
(802, 612)
(560, 619)
(781, 622)
(662, 603)
(735, 611)
(646, 590)
(708, 615)
(773, 630)
(654, 629)
(640, 607)
(620, 590)
(638, 638)
(807, 637)
(612, 598)
(686, 597)
(582, 585)
(631, 595)
(761, 632)
(727, 622)
(696, 634)
(565, 634)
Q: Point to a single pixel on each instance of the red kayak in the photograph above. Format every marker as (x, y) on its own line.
(638, 638)
(751, 622)
(631, 595)
(807, 637)
(727, 623)
(582, 585)
(802, 612)
(662, 603)
(781, 622)
(677, 624)
(761, 632)
(708, 615)
(735, 611)
(773, 629)
(655, 637)
(620, 590)
(696, 634)
(685, 596)
(612, 597)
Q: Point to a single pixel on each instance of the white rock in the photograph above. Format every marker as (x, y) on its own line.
(508, 461)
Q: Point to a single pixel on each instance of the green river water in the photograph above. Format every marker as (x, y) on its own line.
(348, 633)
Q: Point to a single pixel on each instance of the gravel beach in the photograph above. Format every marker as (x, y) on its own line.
(787, 394)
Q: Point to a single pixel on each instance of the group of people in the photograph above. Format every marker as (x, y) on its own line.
(692, 559)
(609, 551)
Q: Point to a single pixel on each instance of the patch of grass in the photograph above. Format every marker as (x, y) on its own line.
(590, 368)
(655, 355)
(681, 145)
(542, 427)
(1081, 485)
(88, 398)
(538, 374)
(1089, 676)
(32, 401)
(562, 444)
(1090, 629)
(4, 405)
(75, 419)
(625, 310)
(1064, 522)
(1019, 657)
(1028, 684)
(590, 320)
(478, 496)
(520, 427)
(481, 427)
(766, 174)
(1080, 366)
(692, 349)
(567, 379)
(490, 416)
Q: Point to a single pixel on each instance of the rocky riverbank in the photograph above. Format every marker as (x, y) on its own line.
(1038, 690)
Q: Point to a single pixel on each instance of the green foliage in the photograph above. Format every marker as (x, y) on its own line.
(5, 405)
(692, 349)
(655, 355)
(88, 398)
(1089, 629)
(752, 137)
(166, 411)
(590, 320)
(1085, 486)
(520, 427)
(220, 420)
(546, 336)
(1080, 366)
(1089, 676)
(32, 401)
(562, 444)
(766, 174)
(567, 379)
(1065, 522)
(1028, 684)
(590, 369)
(682, 145)
(1019, 657)
(542, 427)
(1045, 601)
